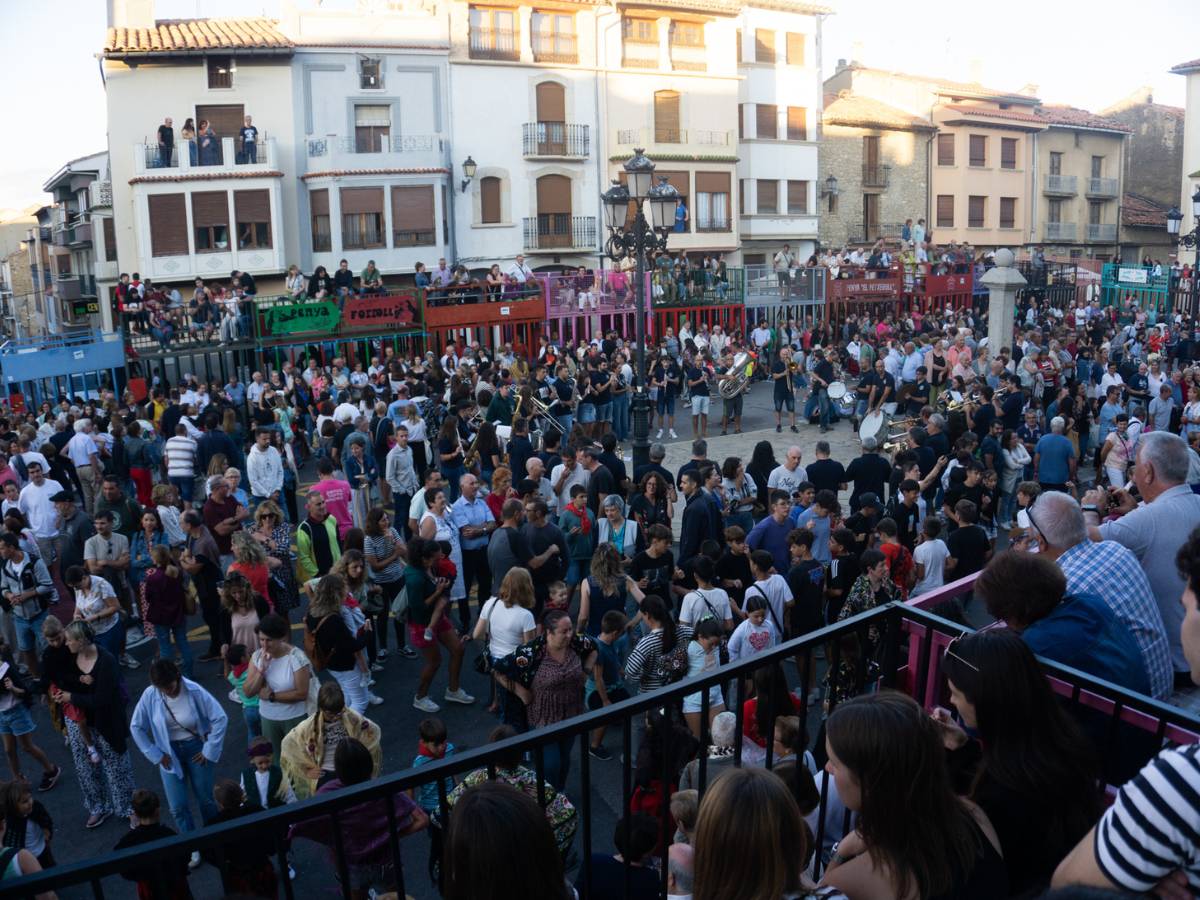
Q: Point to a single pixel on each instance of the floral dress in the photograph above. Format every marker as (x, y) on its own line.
(282, 581)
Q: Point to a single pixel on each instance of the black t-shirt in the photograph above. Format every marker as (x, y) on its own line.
(339, 436)
(824, 371)
(827, 474)
(540, 540)
(807, 583)
(641, 471)
(1013, 405)
(732, 567)
(939, 443)
(863, 525)
(507, 549)
(870, 473)
(865, 383)
(907, 519)
(248, 133)
(918, 397)
(600, 485)
(614, 464)
(969, 546)
(983, 420)
(562, 396)
(658, 572)
(600, 386)
(166, 136)
(696, 383)
(448, 446)
(343, 278)
(675, 375)
(783, 386)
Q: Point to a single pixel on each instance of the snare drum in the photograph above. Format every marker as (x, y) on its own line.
(874, 425)
(836, 390)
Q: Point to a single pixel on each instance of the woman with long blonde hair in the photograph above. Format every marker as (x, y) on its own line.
(607, 587)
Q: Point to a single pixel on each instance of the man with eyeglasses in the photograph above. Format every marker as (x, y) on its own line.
(74, 528)
(106, 554)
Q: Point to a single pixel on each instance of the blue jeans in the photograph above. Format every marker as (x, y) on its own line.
(1007, 502)
(556, 757)
(185, 484)
(621, 416)
(823, 404)
(200, 777)
(566, 421)
(253, 722)
(452, 475)
(164, 633)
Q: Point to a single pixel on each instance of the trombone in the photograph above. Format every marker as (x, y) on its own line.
(897, 434)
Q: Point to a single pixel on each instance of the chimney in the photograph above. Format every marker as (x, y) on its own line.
(130, 13)
(841, 64)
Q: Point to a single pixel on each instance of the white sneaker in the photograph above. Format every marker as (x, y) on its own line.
(424, 704)
(459, 696)
(374, 700)
(129, 662)
(659, 433)
(194, 861)
(673, 434)
(233, 696)
(383, 654)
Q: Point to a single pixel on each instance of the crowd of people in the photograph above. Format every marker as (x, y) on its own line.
(482, 495)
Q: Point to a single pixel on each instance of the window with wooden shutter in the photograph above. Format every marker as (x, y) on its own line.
(741, 196)
(795, 49)
(764, 45)
(797, 123)
(739, 45)
(318, 202)
(372, 128)
(110, 239)
(168, 224)
(797, 198)
(412, 216)
(554, 211)
(741, 121)
(226, 120)
(639, 31)
(978, 150)
(976, 211)
(766, 117)
(210, 221)
(666, 117)
(945, 149)
(220, 72)
(551, 100)
(712, 201)
(362, 218)
(945, 211)
(252, 210)
(1008, 212)
(489, 200)
(768, 197)
(1008, 153)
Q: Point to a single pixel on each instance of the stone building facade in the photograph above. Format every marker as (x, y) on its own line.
(1155, 152)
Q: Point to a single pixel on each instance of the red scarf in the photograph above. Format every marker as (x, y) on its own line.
(585, 524)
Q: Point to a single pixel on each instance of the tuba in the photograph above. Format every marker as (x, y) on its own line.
(731, 387)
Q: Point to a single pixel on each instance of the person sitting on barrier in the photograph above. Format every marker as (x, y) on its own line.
(915, 837)
(1025, 760)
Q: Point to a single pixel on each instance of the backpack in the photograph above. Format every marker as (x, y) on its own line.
(316, 654)
(673, 664)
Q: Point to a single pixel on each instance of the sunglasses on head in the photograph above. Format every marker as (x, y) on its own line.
(959, 657)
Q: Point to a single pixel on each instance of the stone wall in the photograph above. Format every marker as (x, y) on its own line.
(1155, 166)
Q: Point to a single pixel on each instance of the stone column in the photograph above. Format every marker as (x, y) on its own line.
(1002, 281)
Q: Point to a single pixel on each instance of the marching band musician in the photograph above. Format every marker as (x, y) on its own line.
(563, 392)
(732, 407)
(698, 372)
(874, 389)
(784, 373)
(822, 376)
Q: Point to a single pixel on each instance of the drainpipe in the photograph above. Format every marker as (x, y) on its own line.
(600, 66)
(1033, 193)
(452, 191)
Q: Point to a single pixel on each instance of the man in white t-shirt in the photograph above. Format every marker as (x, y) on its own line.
(179, 453)
(40, 510)
(930, 557)
(789, 476)
(85, 456)
(565, 476)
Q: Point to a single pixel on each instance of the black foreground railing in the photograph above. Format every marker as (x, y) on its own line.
(906, 635)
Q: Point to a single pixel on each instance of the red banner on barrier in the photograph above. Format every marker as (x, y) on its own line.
(938, 285)
(369, 313)
(864, 288)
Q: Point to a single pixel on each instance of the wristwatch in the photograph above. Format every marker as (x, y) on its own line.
(271, 696)
(1092, 508)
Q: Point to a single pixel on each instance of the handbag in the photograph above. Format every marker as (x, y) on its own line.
(191, 598)
(483, 662)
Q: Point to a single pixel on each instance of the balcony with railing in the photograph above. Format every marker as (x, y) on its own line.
(494, 43)
(552, 232)
(220, 155)
(875, 176)
(1061, 185)
(555, 47)
(689, 58)
(639, 55)
(334, 152)
(554, 139)
(1059, 231)
(1102, 187)
(100, 194)
(1100, 232)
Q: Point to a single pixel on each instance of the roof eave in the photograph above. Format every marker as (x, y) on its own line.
(1115, 132)
(192, 53)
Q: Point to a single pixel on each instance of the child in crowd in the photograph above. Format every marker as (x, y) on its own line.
(755, 634)
(238, 659)
(900, 561)
(559, 596)
(443, 567)
(929, 559)
(432, 744)
(703, 658)
(263, 782)
(27, 824)
(246, 864)
(147, 828)
(608, 659)
(58, 668)
(733, 568)
(685, 809)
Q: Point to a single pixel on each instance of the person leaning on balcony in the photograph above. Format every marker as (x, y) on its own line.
(210, 145)
(166, 142)
(371, 279)
(188, 133)
(1146, 840)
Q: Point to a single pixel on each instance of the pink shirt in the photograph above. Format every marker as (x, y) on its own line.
(338, 495)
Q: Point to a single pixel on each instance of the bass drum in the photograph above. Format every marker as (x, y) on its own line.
(874, 425)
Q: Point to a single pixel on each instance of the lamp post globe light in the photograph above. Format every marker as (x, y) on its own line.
(638, 239)
(1189, 241)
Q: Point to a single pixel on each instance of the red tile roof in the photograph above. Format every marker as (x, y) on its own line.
(203, 176)
(1138, 211)
(337, 173)
(1080, 118)
(1186, 66)
(946, 86)
(993, 113)
(170, 36)
(867, 112)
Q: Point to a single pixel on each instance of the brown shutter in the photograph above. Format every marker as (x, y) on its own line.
(677, 180)
(767, 117)
(554, 194)
(252, 206)
(739, 45)
(945, 211)
(764, 45)
(797, 197)
(225, 119)
(666, 117)
(741, 121)
(489, 199)
(945, 149)
(168, 224)
(978, 150)
(768, 197)
(210, 208)
(1008, 153)
(1008, 212)
(712, 183)
(797, 123)
(795, 49)
(110, 239)
(362, 200)
(319, 201)
(975, 212)
(412, 207)
(551, 102)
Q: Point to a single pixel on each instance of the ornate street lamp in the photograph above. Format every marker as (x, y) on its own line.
(1189, 241)
(469, 167)
(639, 237)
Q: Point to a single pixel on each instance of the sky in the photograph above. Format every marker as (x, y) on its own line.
(1084, 54)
